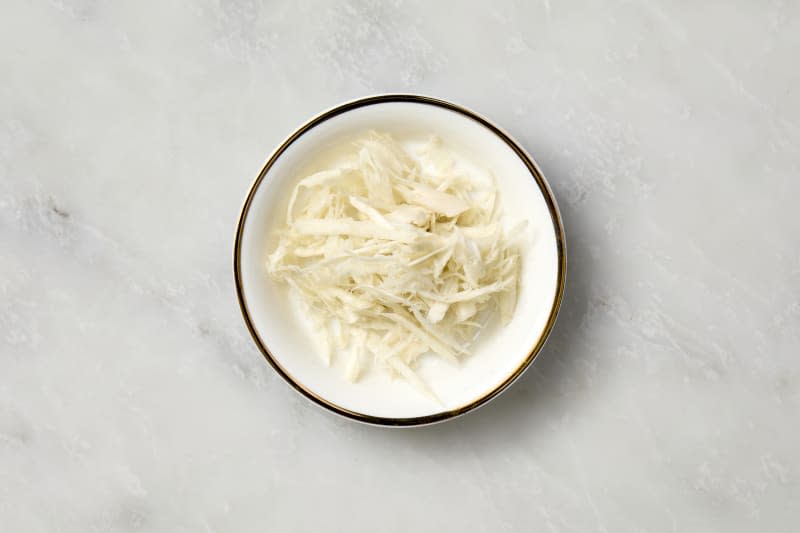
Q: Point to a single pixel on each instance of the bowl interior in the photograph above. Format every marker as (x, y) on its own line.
(498, 354)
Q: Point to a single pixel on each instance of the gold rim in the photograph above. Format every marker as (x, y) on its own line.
(554, 214)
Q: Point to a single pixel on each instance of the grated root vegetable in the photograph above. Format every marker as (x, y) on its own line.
(396, 256)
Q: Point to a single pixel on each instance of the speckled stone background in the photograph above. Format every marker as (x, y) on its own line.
(131, 398)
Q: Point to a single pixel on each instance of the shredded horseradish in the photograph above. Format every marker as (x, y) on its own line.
(397, 255)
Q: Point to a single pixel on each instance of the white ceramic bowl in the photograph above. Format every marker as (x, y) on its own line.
(499, 356)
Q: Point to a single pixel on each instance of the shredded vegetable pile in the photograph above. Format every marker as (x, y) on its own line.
(396, 255)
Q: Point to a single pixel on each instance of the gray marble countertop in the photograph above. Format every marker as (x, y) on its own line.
(132, 399)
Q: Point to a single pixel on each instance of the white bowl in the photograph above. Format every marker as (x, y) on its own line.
(500, 355)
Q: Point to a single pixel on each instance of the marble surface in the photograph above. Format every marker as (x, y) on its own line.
(131, 397)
